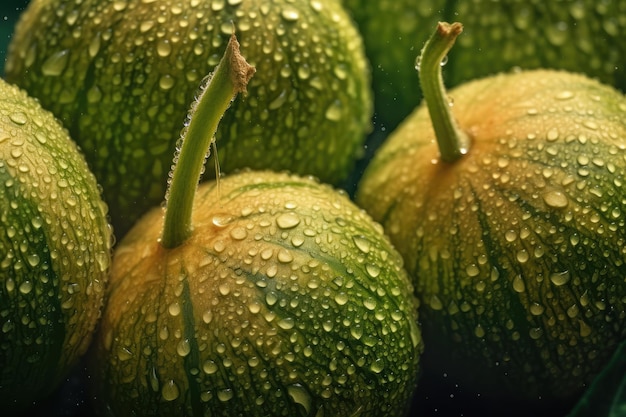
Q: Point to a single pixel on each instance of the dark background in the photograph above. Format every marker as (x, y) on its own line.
(436, 396)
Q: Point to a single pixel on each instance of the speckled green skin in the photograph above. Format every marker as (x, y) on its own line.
(582, 36)
(517, 249)
(121, 76)
(54, 251)
(287, 300)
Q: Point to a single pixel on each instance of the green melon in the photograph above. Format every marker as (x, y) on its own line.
(286, 301)
(583, 36)
(517, 247)
(54, 251)
(259, 294)
(120, 75)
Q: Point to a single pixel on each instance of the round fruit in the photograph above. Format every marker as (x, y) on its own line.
(287, 300)
(54, 251)
(514, 230)
(266, 294)
(120, 75)
(584, 36)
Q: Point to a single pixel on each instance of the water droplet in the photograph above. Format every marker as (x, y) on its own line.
(183, 348)
(300, 395)
(284, 256)
(518, 284)
(18, 118)
(334, 112)
(286, 323)
(555, 199)
(472, 270)
(16, 152)
(369, 303)
(372, 270)
(26, 287)
(238, 233)
(362, 243)
(304, 71)
(278, 101)
(221, 220)
(94, 46)
(435, 303)
(219, 246)
(225, 394)
(209, 367)
(164, 48)
(56, 63)
(341, 298)
(535, 333)
(564, 95)
(557, 34)
(522, 256)
(124, 354)
(377, 366)
(290, 14)
(170, 391)
(119, 5)
(585, 330)
(553, 134)
(166, 82)
(287, 220)
(510, 235)
(590, 124)
(356, 332)
(560, 278)
(317, 5)
(33, 259)
(224, 289)
(536, 309)
(572, 311)
(174, 309)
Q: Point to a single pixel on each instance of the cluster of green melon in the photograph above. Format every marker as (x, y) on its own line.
(486, 235)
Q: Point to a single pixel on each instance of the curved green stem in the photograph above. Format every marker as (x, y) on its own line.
(230, 77)
(453, 142)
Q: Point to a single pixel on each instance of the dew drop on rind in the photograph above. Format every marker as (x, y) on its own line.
(362, 243)
(518, 284)
(290, 14)
(287, 220)
(56, 63)
(238, 233)
(19, 118)
(225, 395)
(555, 199)
(170, 391)
(560, 278)
(300, 396)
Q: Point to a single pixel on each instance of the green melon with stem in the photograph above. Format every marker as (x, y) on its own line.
(505, 197)
(262, 294)
(55, 246)
(583, 36)
(120, 75)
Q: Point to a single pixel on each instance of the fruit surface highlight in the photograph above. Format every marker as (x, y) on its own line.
(54, 251)
(262, 294)
(120, 75)
(516, 245)
(583, 36)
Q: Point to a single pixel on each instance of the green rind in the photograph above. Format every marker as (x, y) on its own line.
(54, 253)
(539, 193)
(33, 329)
(122, 82)
(271, 325)
(583, 36)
